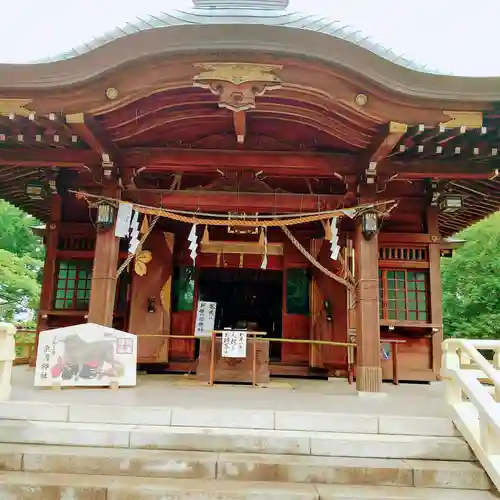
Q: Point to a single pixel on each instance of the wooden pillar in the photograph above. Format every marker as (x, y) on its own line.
(435, 288)
(368, 370)
(49, 269)
(103, 290)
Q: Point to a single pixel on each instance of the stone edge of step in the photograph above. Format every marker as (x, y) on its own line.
(114, 488)
(237, 440)
(229, 418)
(243, 466)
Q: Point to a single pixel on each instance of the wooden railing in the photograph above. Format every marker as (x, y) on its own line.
(473, 392)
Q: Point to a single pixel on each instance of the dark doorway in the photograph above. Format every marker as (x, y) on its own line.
(247, 299)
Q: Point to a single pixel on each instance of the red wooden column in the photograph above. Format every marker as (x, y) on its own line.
(435, 287)
(103, 290)
(368, 370)
(49, 268)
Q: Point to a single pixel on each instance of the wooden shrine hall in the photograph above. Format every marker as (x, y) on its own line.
(349, 166)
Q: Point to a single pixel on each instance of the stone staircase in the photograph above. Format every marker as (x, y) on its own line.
(77, 452)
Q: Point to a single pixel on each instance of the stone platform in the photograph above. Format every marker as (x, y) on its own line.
(172, 438)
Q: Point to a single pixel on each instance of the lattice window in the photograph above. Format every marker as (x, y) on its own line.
(403, 295)
(74, 280)
(76, 243)
(404, 253)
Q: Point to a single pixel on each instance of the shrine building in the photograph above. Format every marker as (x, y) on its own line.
(303, 178)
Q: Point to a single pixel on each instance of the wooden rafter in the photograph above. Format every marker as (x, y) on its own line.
(386, 141)
(89, 130)
(381, 148)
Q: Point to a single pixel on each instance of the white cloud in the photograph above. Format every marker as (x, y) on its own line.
(456, 36)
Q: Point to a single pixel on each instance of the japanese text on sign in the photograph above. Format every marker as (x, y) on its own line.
(234, 344)
(205, 318)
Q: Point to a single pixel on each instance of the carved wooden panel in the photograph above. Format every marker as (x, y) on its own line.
(149, 312)
(295, 326)
(182, 324)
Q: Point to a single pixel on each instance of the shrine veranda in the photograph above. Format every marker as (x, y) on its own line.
(305, 183)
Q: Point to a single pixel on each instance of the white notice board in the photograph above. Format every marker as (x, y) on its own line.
(205, 318)
(234, 344)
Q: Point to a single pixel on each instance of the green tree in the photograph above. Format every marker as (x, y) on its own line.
(15, 232)
(21, 262)
(471, 283)
(19, 286)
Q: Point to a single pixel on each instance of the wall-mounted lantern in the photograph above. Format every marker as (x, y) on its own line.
(327, 306)
(450, 203)
(151, 305)
(36, 190)
(105, 216)
(369, 225)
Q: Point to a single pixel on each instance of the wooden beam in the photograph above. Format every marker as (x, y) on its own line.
(433, 168)
(386, 142)
(39, 158)
(327, 164)
(90, 131)
(217, 201)
(292, 164)
(240, 125)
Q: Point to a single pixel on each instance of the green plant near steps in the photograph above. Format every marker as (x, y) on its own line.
(24, 340)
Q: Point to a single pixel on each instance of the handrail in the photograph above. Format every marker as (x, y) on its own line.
(7, 355)
(477, 415)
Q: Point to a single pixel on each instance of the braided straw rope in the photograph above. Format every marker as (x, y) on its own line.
(196, 219)
(314, 262)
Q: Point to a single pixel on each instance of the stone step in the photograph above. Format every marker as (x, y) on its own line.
(236, 440)
(326, 492)
(35, 486)
(242, 467)
(228, 418)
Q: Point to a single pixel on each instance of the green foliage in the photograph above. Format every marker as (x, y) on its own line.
(15, 233)
(21, 262)
(471, 283)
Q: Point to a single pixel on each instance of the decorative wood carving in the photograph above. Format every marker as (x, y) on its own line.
(143, 258)
(14, 106)
(237, 84)
(468, 119)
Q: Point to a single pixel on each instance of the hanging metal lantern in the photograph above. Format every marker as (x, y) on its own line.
(105, 216)
(36, 190)
(450, 203)
(369, 225)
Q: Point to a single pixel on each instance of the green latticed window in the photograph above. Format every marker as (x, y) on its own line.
(403, 295)
(183, 289)
(297, 291)
(74, 281)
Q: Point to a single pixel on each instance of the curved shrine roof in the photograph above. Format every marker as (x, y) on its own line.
(246, 12)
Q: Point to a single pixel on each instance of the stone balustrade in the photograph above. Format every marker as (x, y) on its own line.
(7, 356)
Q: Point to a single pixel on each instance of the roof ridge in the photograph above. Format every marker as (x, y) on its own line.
(223, 15)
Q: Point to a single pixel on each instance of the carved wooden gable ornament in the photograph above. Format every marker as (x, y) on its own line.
(237, 84)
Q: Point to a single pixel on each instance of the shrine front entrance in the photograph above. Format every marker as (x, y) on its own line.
(249, 299)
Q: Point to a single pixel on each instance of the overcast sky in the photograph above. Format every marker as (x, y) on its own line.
(454, 36)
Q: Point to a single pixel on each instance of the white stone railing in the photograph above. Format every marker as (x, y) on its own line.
(7, 356)
(473, 392)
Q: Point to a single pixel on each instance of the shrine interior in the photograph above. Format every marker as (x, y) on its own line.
(246, 299)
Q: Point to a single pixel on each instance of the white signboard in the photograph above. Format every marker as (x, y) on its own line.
(234, 344)
(205, 318)
(86, 355)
